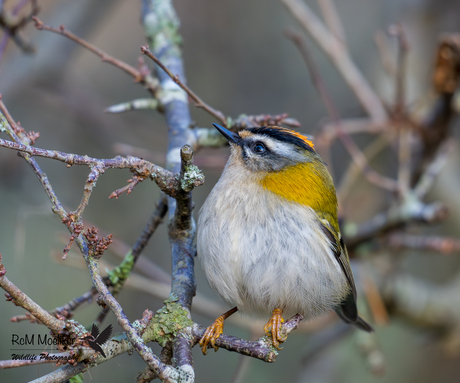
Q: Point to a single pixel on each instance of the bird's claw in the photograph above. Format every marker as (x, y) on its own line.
(211, 334)
(273, 328)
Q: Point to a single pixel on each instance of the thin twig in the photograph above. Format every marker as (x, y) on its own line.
(199, 103)
(353, 171)
(438, 244)
(332, 19)
(400, 79)
(339, 55)
(381, 43)
(245, 121)
(138, 76)
(399, 110)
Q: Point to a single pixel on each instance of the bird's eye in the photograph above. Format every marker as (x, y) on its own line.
(259, 148)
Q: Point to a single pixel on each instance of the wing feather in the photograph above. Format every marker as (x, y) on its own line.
(105, 335)
(340, 252)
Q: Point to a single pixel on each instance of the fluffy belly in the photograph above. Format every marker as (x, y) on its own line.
(275, 258)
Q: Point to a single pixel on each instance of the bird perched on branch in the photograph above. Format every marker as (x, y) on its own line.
(268, 236)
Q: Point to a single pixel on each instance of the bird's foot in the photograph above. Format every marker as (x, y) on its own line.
(211, 334)
(274, 324)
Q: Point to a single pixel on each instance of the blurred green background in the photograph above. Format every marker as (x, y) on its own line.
(237, 59)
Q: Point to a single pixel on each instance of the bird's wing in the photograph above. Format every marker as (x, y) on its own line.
(347, 310)
(94, 331)
(105, 335)
(340, 252)
(96, 347)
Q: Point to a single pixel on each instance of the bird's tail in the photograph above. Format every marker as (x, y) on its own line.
(355, 320)
(363, 325)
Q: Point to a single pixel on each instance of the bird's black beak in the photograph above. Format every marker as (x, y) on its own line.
(229, 135)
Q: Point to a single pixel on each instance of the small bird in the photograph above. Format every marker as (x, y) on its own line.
(268, 236)
(95, 341)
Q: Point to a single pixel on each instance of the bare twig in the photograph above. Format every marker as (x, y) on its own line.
(381, 43)
(399, 110)
(353, 171)
(245, 121)
(443, 245)
(332, 19)
(199, 103)
(400, 97)
(140, 104)
(166, 180)
(339, 55)
(138, 76)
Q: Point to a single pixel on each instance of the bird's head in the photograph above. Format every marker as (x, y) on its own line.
(285, 163)
(269, 148)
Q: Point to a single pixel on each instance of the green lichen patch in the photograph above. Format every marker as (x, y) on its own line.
(76, 328)
(120, 273)
(167, 322)
(193, 176)
(76, 379)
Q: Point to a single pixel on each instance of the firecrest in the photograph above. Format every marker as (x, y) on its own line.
(268, 236)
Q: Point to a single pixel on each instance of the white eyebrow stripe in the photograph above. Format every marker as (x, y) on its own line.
(282, 149)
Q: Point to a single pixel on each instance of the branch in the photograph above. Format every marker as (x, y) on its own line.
(166, 180)
(339, 55)
(139, 104)
(260, 349)
(161, 25)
